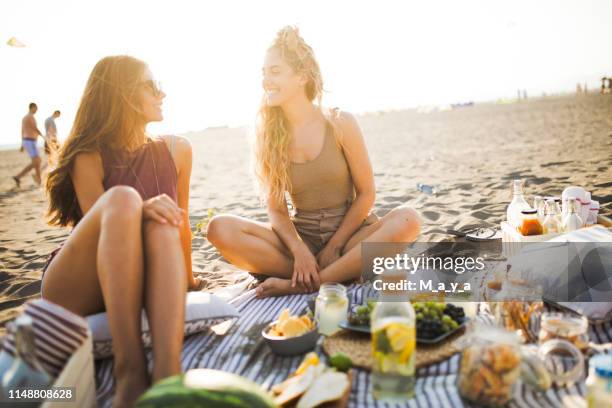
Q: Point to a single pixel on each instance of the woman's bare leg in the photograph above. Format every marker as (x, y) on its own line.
(100, 267)
(250, 245)
(399, 225)
(165, 292)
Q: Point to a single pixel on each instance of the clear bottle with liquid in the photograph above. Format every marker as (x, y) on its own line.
(518, 204)
(559, 212)
(539, 205)
(551, 220)
(393, 323)
(599, 381)
(25, 372)
(571, 220)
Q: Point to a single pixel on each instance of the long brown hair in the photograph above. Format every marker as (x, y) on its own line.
(273, 133)
(109, 114)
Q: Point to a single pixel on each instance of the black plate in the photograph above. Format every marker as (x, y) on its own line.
(366, 329)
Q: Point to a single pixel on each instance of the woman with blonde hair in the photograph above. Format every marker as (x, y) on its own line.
(126, 195)
(319, 157)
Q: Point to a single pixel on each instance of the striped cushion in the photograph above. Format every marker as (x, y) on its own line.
(58, 333)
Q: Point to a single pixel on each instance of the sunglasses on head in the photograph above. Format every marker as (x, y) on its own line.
(154, 86)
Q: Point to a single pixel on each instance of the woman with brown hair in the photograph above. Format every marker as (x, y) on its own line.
(319, 157)
(126, 195)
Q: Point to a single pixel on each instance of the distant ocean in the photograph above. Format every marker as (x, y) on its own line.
(10, 146)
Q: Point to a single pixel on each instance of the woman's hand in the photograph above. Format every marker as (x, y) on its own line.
(162, 209)
(305, 269)
(328, 255)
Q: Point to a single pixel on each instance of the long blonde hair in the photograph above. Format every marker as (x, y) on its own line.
(109, 115)
(272, 134)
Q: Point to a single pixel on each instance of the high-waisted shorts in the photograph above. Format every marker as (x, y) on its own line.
(316, 227)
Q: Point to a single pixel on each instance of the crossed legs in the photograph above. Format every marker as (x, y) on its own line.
(254, 246)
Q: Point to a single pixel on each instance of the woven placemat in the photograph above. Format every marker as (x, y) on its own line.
(358, 347)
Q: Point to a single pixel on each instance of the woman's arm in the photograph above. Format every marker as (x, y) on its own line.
(363, 179)
(183, 159)
(305, 267)
(87, 174)
(282, 225)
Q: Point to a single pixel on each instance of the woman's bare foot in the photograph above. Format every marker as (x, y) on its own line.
(196, 284)
(128, 390)
(277, 287)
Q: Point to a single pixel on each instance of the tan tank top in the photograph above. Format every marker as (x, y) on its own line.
(323, 182)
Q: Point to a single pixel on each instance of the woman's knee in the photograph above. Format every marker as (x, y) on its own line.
(161, 235)
(407, 223)
(220, 229)
(123, 201)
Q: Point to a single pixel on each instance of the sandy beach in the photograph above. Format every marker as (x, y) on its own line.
(470, 154)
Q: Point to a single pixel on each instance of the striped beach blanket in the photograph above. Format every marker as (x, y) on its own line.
(242, 350)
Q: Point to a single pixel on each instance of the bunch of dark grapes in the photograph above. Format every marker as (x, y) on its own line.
(436, 318)
(455, 312)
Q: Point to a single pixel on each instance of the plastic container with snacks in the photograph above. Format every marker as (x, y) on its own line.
(490, 366)
(573, 328)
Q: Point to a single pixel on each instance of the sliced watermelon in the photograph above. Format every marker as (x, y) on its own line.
(205, 388)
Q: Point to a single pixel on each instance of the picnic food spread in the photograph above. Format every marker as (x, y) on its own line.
(433, 319)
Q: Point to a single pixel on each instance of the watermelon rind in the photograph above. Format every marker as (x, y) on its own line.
(225, 390)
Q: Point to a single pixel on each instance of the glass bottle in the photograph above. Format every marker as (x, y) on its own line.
(393, 323)
(26, 372)
(585, 208)
(518, 203)
(331, 307)
(599, 381)
(592, 219)
(559, 212)
(538, 204)
(551, 223)
(572, 220)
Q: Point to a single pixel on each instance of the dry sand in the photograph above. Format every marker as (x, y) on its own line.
(471, 154)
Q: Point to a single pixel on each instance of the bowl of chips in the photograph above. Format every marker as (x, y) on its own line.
(290, 335)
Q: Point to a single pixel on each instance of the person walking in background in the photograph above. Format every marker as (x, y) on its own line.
(51, 144)
(29, 136)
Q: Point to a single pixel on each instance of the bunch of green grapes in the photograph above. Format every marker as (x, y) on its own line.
(360, 315)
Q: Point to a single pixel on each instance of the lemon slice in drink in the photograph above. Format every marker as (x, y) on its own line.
(402, 339)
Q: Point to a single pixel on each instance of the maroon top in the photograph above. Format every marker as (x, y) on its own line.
(149, 169)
